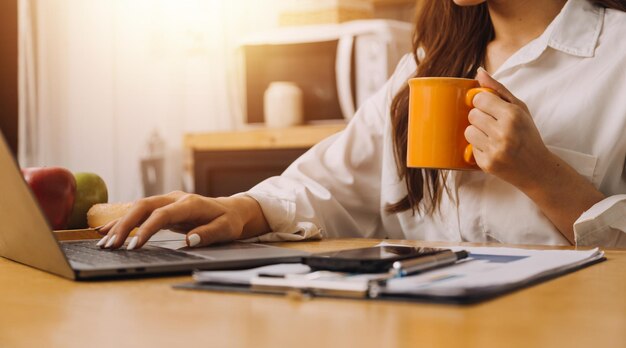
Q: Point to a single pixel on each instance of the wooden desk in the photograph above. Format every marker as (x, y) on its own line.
(583, 309)
(224, 163)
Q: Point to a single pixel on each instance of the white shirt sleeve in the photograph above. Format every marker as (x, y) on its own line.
(334, 188)
(604, 224)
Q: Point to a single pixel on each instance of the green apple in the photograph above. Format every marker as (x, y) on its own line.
(90, 190)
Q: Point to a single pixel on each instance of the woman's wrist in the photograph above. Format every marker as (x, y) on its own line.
(250, 214)
(543, 175)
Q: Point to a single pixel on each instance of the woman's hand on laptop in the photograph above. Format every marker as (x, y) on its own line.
(205, 220)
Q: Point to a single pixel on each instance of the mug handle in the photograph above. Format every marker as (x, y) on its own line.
(468, 154)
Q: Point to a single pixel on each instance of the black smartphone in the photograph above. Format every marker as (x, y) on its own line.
(366, 260)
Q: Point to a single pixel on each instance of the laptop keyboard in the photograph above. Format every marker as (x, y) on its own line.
(90, 254)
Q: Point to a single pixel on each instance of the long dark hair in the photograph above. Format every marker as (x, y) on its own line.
(443, 27)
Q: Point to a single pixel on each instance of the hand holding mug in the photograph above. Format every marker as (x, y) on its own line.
(505, 140)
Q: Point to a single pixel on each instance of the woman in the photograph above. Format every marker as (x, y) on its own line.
(551, 144)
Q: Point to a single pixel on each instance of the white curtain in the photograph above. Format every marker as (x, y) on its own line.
(98, 77)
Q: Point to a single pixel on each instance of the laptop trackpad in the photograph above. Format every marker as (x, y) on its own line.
(168, 240)
(240, 250)
(234, 250)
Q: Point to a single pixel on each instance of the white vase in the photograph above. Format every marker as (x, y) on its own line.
(282, 105)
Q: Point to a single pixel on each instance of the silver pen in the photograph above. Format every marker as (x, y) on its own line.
(411, 266)
(424, 263)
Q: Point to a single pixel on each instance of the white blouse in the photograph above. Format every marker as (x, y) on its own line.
(573, 80)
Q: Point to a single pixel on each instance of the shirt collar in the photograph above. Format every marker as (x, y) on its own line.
(575, 31)
(577, 28)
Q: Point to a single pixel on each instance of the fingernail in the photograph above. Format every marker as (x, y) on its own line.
(132, 244)
(111, 241)
(102, 241)
(480, 68)
(194, 240)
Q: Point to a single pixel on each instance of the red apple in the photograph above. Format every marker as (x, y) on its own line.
(55, 189)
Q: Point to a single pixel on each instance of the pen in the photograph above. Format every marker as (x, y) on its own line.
(420, 264)
(416, 265)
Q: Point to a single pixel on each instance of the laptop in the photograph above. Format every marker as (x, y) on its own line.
(26, 237)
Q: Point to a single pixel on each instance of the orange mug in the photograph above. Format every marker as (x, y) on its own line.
(438, 110)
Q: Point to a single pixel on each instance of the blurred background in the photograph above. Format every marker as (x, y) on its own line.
(106, 85)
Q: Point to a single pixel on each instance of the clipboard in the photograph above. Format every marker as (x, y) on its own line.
(436, 294)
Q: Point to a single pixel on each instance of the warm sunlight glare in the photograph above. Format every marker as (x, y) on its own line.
(193, 26)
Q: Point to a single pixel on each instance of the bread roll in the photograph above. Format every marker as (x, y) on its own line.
(100, 214)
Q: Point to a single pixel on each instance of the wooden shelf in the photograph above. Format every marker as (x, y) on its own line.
(224, 163)
(393, 2)
(262, 138)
